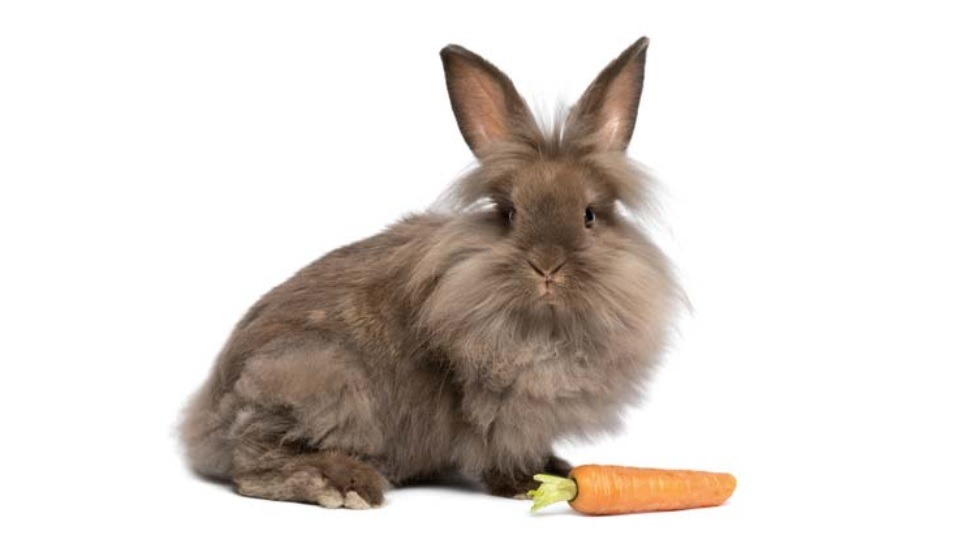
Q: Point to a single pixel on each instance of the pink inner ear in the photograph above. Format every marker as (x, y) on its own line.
(483, 106)
(618, 110)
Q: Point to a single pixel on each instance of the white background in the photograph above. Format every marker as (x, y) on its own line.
(163, 164)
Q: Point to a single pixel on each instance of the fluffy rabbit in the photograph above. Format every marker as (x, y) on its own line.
(457, 342)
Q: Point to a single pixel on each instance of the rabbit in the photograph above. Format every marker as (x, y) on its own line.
(464, 341)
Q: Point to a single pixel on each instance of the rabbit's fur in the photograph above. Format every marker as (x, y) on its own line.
(455, 342)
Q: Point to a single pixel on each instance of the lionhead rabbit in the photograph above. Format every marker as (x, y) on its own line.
(461, 341)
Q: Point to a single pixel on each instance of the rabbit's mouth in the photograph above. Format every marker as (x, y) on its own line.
(547, 290)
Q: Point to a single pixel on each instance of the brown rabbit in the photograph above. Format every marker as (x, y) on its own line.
(460, 342)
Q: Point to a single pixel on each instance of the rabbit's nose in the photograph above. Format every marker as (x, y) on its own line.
(548, 274)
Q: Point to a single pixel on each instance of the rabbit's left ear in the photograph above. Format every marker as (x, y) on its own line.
(487, 106)
(606, 113)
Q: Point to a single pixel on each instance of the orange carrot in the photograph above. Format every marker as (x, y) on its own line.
(613, 490)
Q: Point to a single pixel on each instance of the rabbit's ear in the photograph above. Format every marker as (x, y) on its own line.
(606, 112)
(485, 102)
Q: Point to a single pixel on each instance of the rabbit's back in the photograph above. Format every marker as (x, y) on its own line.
(330, 352)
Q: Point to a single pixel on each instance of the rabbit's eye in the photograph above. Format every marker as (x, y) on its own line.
(511, 215)
(589, 216)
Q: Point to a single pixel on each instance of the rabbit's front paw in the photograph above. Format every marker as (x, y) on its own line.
(516, 484)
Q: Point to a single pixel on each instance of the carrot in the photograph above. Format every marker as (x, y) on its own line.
(613, 490)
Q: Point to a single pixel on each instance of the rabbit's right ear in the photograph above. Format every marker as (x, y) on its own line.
(487, 106)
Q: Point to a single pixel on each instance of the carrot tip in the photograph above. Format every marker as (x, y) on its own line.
(553, 489)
